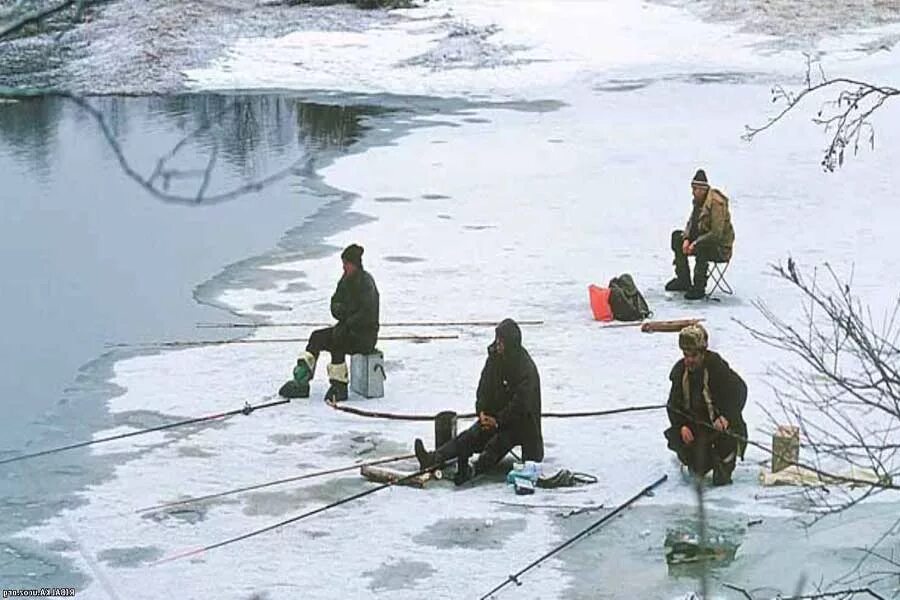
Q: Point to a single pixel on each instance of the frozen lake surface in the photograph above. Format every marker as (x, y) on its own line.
(563, 160)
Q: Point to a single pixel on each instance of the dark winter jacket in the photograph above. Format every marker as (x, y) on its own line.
(355, 305)
(724, 393)
(510, 391)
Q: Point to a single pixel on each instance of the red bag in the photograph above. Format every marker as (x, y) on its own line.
(600, 303)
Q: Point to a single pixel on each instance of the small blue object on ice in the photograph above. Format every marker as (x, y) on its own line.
(523, 486)
(523, 477)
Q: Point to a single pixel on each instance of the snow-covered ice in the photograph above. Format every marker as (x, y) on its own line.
(510, 213)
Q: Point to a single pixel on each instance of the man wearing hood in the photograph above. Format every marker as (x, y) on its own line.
(508, 403)
(708, 236)
(355, 305)
(705, 404)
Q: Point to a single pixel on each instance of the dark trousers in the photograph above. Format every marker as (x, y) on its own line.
(704, 253)
(710, 450)
(338, 342)
(492, 444)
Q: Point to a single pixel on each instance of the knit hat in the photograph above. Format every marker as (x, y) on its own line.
(693, 338)
(353, 254)
(700, 178)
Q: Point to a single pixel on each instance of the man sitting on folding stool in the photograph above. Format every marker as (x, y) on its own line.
(708, 236)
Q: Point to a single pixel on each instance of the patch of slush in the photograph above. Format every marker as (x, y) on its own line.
(399, 574)
(129, 557)
(271, 307)
(469, 533)
(404, 259)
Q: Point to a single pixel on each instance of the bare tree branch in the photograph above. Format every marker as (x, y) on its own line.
(841, 594)
(845, 398)
(157, 183)
(846, 117)
(39, 15)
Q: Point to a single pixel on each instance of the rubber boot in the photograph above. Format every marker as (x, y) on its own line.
(463, 471)
(722, 470)
(339, 377)
(682, 280)
(678, 285)
(306, 368)
(698, 290)
(426, 459)
(292, 389)
(298, 387)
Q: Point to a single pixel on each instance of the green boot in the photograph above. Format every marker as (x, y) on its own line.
(305, 369)
(293, 389)
(298, 387)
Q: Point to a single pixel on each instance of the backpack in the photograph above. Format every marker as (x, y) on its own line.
(626, 300)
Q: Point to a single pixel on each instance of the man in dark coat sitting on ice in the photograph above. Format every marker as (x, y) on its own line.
(508, 403)
(705, 404)
(355, 305)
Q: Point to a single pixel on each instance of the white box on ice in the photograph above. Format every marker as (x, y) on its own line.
(367, 374)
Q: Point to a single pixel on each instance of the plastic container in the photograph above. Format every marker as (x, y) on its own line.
(600, 303)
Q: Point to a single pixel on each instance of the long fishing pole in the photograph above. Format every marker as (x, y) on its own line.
(387, 324)
(248, 408)
(296, 518)
(257, 486)
(186, 344)
(585, 532)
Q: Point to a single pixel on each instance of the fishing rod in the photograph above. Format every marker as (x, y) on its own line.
(257, 486)
(246, 410)
(299, 517)
(584, 533)
(484, 323)
(186, 344)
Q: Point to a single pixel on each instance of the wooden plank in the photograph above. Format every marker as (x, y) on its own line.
(381, 474)
(667, 326)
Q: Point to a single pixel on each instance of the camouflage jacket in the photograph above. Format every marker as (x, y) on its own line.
(714, 223)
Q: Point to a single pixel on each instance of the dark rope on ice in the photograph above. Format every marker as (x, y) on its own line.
(584, 533)
(299, 517)
(246, 410)
(547, 415)
(601, 413)
(388, 324)
(189, 344)
(257, 486)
